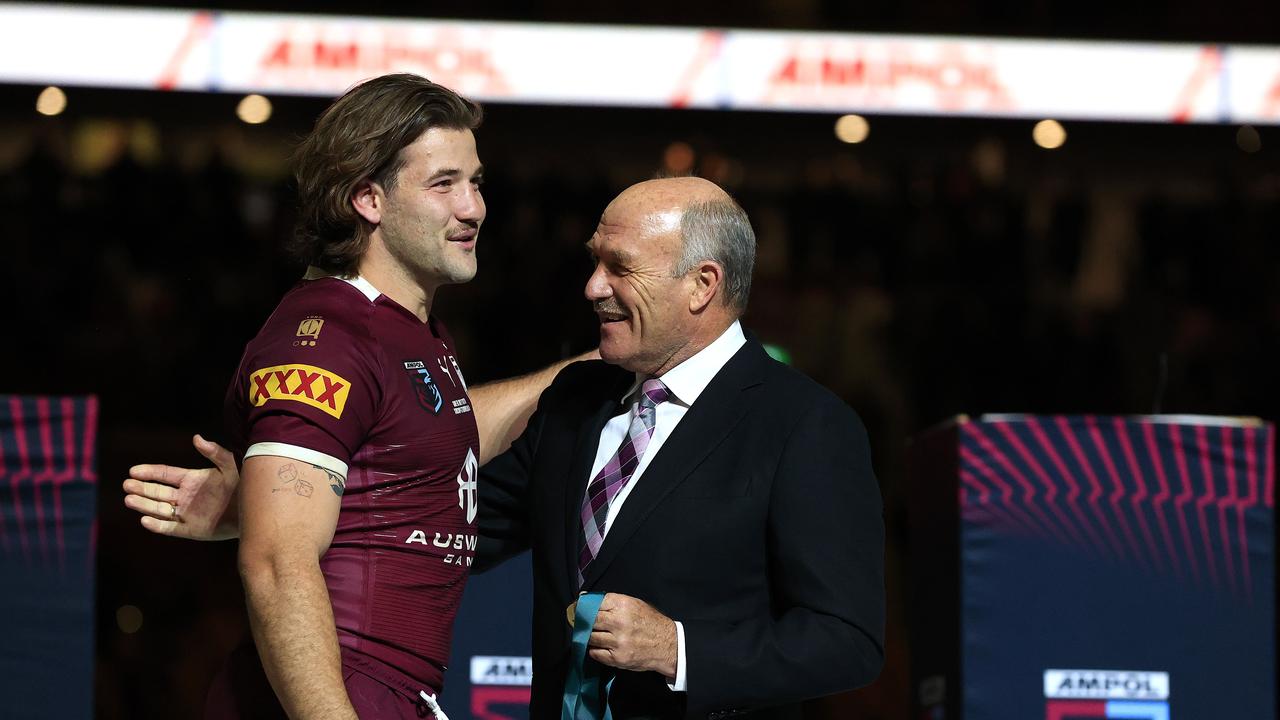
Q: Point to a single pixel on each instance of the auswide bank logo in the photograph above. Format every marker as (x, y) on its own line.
(1092, 694)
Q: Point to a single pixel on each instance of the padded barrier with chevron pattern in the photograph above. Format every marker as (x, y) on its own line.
(1078, 567)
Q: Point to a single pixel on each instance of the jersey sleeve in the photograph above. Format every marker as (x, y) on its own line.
(311, 398)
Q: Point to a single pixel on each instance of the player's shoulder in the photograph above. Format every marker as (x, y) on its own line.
(322, 323)
(326, 304)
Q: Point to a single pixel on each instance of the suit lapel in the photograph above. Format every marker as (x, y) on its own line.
(724, 402)
(584, 455)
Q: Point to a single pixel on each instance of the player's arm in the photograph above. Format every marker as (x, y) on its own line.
(288, 513)
(502, 407)
(200, 504)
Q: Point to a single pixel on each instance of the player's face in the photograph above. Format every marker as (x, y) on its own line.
(431, 220)
(643, 309)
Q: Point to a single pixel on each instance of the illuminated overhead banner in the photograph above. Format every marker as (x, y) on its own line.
(651, 67)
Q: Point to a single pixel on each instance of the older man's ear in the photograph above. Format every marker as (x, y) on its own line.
(708, 284)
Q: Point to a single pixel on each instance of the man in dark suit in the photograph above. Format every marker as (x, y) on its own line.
(724, 502)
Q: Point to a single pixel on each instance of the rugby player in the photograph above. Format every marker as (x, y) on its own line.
(352, 424)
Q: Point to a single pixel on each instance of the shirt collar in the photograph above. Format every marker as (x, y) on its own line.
(355, 281)
(687, 380)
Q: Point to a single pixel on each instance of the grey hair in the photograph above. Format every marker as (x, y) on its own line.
(719, 230)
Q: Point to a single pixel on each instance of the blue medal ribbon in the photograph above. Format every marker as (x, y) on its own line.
(586, 687)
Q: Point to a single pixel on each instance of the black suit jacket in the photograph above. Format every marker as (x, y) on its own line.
(758, 525)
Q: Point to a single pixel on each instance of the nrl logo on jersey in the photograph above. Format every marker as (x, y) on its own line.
(424, 387)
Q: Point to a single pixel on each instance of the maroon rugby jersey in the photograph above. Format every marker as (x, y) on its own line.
(345, 378)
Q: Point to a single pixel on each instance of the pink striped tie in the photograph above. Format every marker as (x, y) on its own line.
(616, 473)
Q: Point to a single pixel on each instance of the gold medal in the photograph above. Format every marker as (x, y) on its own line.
(571, 612)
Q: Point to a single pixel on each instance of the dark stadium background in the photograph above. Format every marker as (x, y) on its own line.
(944, 266)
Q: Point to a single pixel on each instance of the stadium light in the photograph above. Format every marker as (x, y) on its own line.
(852, 129)
(52, 101)
(1049, 134)
(254, 109)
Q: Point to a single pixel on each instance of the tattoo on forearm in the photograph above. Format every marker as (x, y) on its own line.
(289, 477)
(337, 483)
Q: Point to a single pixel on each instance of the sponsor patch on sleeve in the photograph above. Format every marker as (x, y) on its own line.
(307, 384)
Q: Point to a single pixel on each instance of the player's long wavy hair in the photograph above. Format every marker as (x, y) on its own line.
(360, 137)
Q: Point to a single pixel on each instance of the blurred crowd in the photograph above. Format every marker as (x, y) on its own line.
(942, 267)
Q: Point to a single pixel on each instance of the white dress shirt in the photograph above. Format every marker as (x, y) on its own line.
(685, 382)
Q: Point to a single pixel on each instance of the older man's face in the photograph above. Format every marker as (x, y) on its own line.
(643, 310)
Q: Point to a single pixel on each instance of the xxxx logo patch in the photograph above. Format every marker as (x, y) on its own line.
(306, 384)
